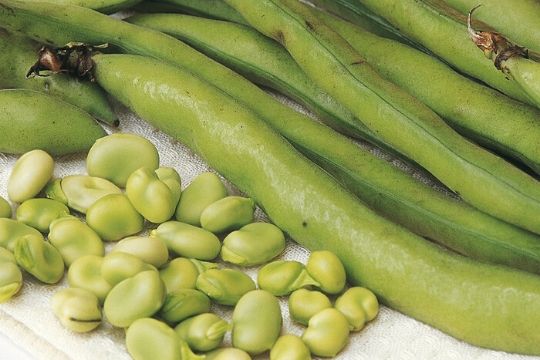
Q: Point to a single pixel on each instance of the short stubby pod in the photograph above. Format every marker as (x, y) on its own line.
(184, 303)
(303, 304)
(39, 258)
(204, 332)
(85, 273)
(253, 244)
(11, 230)
(227, 214)
(282, 277)
(204, 190)
(150, 339)
(119, 266)
(40, 213)
(152, 197)
(151, 250)
(359, 305)
(11, 279)
(31, 172)
(327, 333)
(137, 297)
(256, 322)
(79, 192)
(228, 354)
(74, 239)
(188, 240)
(182, 273)
(5, 208)
(290, 347)
(113, 217)
(77, 309)
(326, 268)
(225, 286)
(116, 156)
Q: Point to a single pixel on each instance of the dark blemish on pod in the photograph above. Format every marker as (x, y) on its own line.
(310, 25)
(304, 223)
(280, 37)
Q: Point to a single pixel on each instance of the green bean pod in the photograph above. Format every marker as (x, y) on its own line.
(214, 9)
(33, 120)
(104, 6)
(18, 54)
(467, 299)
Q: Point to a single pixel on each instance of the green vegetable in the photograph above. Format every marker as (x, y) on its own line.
(182, 304)
(253, 329)
(187, 240)
(39, 258)
(77, 309)
(11, 279)
(119, 266)
(303, 304)
(204, 190)
(134, 298)
(215, 9)
(179, 273)
(283, 277)
(117, 156)
(104, 6)
(29, 175)
(227, 214)
(326, 269)
(151, 250)
(5, 208)
(202, 332)
(327, 333)
(85, 273)
(74, 239)
(290, 347)
(79, 192)
(11, 230)
(359, 305)
(224, 286)
(40, 213)
(228, 354)
(33, 120)
(253, 244)
(113, 217)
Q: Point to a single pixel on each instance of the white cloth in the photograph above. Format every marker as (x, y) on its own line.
(29, 322)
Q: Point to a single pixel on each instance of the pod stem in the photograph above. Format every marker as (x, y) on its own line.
(494, 45)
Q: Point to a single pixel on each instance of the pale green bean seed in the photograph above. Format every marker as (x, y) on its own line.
(256, 322)
(359, 305)
(113, 217)
(5, 208)
(204, 190)
(85, 273)
(151, 250)
(171, 178)
(152, 198)
(227, 214)
(203, 332)
(290, 347)
(40, 213)
(188, 240)
(11, 230)
(74, 239)
(31, 172)
(178, 274)
(326, 268)
(283, 277)
(39, 258)
(253, 244)
(150, 339)
(327, 333)
(202, 266)
(184, 303)
(119, 266)
(225, 286)
(116, 156)
(77, 309)
(228, 354)
(303, 304)
(137, 297)
(10, 276)
(79, 192)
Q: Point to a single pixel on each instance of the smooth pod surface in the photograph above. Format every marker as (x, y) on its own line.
(11, 230)
(225, 286)
(85, 273)
(327, 333)
(204, 190)
(326, 268)
(290, 347)
(34, 120)
(256, 330)
(77, 309)
(134, 298)
(151, 250)
(303, 304)
(229, 213)
(5, 208)
(11, 279)
(29, 175)
(204, 332)
(79, 192)
(184, 303)
(39, 258)
(282, 277)
(40, 213)
(116, 156)
(359, 305)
